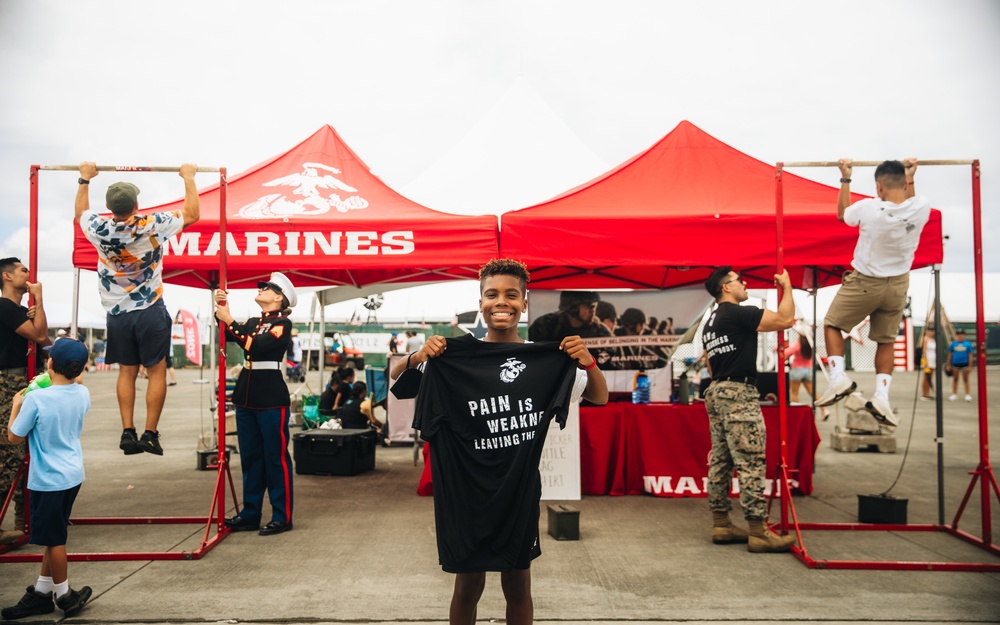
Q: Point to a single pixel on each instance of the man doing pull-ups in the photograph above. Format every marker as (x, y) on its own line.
(130, 249)
(890, 228)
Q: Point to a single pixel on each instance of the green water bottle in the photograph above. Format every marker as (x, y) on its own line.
(42, 380)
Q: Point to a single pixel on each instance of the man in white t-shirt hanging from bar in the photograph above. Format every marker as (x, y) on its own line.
(890, 228)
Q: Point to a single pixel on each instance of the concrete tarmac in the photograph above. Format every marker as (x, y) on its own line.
(363, 547)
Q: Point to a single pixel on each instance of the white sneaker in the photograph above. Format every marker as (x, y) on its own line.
(880, 409)
(968, 398)
(836, 391)
(952, 397)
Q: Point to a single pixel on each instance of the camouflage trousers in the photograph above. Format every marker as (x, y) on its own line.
(11, 456)
(738, 443)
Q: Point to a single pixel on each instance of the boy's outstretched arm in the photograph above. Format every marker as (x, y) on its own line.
(597, 387)
(433, 348)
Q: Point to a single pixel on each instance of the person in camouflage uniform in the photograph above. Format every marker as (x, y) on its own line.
(736, 423)
(18, 325)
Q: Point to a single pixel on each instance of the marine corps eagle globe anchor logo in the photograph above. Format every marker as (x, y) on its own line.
(511, 369)
(309, 187)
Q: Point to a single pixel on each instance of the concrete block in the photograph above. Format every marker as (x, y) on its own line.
(843, 441)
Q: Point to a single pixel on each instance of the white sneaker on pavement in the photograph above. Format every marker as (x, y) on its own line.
(836, 391)
(952, 397)
(968, 398)
(880, 409)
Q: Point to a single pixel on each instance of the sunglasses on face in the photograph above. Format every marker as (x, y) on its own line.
(736, 279)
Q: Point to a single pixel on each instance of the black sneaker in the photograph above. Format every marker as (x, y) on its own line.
(150, 443)
(72, 602)
(130, 443)
(30, 604)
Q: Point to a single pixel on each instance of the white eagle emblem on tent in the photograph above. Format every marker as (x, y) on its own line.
(311, 195)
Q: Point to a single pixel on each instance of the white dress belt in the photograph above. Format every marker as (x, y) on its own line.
(262, 364)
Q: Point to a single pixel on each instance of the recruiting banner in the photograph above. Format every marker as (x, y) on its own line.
(192, 340)
(624, 330)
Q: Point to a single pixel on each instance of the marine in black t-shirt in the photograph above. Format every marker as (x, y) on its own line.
(730, 340)
(13, 347)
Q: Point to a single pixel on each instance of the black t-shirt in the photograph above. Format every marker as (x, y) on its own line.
(13, 346)
(486, 408)
(326, 399)
(351, 416)
(344, 389)
(730, 338)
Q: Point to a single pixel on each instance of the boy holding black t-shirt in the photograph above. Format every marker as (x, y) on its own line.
(485, 406)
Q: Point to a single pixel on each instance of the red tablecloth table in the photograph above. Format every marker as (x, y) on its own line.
(663, 449)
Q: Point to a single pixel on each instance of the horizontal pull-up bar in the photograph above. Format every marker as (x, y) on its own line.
(126, 168)
(920, 163)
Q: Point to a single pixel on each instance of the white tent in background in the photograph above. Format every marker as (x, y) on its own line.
(520, 153)
(401, 304)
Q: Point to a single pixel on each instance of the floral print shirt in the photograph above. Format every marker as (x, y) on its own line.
(130, 252)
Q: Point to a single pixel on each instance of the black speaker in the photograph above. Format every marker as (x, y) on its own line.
(884, 509)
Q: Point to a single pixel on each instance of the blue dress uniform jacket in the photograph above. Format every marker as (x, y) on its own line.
(261, 400)
(263, 339)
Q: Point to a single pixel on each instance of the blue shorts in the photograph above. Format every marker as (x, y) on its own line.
(50, 515)
(140, 337)
(800, 374)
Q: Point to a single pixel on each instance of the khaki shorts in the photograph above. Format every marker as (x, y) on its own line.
(860, 296)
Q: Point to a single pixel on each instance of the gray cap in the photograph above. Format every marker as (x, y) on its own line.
(122, 197)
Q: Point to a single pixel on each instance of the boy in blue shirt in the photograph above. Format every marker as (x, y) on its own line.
(52, 419)
(960, 357)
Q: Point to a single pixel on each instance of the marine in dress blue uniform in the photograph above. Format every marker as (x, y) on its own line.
(262, 407)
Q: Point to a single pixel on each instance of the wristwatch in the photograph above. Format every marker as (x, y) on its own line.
(83, 181)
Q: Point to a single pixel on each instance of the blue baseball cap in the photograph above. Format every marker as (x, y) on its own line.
(69, 353)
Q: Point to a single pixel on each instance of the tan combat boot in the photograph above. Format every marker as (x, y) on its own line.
(10, 536)
(763, 540)
(724, 532)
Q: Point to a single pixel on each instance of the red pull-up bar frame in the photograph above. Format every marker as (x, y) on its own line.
(982, 472)
(216, 513)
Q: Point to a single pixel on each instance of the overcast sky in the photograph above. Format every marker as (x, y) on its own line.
(404, 82)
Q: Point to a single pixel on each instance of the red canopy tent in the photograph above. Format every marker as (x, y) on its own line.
(319, 214)
(689, 203)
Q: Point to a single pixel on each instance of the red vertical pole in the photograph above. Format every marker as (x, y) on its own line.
(984, 438)
(32, 254)
(220, 491)
(779, 225)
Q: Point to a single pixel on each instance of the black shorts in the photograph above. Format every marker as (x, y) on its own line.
(50, 515)
(959, 367)
(140, 337)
